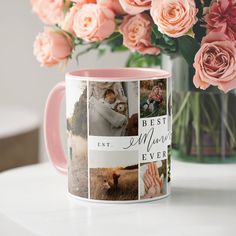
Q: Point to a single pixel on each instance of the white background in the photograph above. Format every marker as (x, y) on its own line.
(22, 81)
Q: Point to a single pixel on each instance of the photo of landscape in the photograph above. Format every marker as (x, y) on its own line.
(113, 178)
(114, 184)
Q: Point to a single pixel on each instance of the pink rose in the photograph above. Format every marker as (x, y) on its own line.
(174, 17)
(221, 16)
(136, 32)
(84, 1)
(68, 22)
(134, 7)
(50, 12)
(51, 47)
(215, 63)
(92, 23)
(113, 5)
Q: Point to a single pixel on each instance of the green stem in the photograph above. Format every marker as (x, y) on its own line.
(197, 121)
(178, 114)
(92, 47)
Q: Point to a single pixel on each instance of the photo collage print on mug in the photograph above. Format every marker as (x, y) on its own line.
(119, 139)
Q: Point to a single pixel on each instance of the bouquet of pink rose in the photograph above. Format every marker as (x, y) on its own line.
(203, 31)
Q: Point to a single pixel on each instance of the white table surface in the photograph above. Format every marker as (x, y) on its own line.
(34, 201)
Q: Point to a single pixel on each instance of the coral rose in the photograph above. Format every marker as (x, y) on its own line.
(221, 16)
(136, 32)
(113, 5)
(94, 23)
(134, 7)
(50, 12)
(174, 17)
(215, 63)
(52, 47)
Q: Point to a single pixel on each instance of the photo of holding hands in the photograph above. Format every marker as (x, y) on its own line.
(153, 179)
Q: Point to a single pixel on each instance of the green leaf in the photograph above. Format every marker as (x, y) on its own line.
(169, 41)
(138, 60)
(156, 33)
(115, 41)
(188, 47)
(120, 48)
(78, 41)
(166, 43)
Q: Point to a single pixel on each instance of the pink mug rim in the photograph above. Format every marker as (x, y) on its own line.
(118, 73)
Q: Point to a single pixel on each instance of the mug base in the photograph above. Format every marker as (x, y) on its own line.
(78, 199)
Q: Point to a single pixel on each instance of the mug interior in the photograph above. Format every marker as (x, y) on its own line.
(118, 73)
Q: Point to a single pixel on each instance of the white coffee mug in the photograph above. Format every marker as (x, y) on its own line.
(118, 132)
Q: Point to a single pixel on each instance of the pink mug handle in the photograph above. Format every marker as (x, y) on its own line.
(52, 128)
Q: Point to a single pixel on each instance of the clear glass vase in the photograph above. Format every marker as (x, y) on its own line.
(204, 122)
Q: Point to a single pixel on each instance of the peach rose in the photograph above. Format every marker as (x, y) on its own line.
(52, 47)
(84, 1)
(68, 22)
(215, 63)
(113, 5)
(93, 23)
(134, 7)
(136, 32)
(50, 12)
(174, 17)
